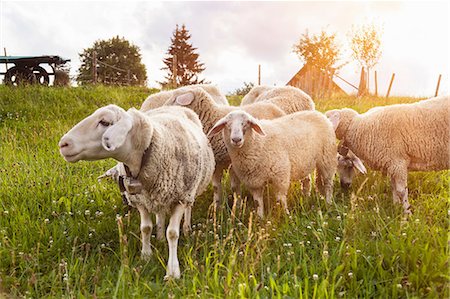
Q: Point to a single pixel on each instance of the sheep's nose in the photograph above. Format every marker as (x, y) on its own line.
(236, 139)
(65, 143)
(345, 186)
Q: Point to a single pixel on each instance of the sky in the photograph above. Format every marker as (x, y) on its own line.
(233, 38)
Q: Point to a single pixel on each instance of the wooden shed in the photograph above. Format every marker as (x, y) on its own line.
(315, 82)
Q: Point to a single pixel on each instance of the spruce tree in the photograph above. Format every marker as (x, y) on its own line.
(188, 67)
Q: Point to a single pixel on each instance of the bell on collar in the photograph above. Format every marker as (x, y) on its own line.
(133, 186)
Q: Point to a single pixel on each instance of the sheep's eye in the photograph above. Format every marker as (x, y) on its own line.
(104, 123)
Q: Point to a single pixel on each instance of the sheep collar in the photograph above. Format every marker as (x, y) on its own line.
(129, 183)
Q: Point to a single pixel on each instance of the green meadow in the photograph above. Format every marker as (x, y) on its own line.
(63, 234)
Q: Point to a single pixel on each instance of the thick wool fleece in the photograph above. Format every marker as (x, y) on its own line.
(294, 146)
(180, 163)
(404, 136)
(287, 98)
(159, 99)
(210, 112)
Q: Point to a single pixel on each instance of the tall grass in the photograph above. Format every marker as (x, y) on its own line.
(63, 234)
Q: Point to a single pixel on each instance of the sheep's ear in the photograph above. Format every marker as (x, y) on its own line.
(218, 127)
(359, 165)
(115, 136)
(254, 124)
(185, 99)
(334, 117)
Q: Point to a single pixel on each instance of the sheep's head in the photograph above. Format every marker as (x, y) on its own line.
(187, 96)
(341, 119)
(98, 136)
(348, 164)
(236, 126)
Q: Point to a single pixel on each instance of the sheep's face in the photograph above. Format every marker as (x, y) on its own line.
(348, 164)
(98, 136)
(236, 126)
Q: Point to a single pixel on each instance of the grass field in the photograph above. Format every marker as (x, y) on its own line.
(60, 235)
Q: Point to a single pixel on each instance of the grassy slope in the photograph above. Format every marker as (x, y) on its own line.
(59, 236)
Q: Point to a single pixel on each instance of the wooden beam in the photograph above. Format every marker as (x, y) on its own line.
(438, 84)
(390, 85)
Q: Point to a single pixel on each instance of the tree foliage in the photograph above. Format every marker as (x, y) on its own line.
(118, 63)
(366, 45)
(188, 66)
(320, 50)
(242, 91)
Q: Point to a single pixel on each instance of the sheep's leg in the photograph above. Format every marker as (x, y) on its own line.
(399, 181)
(281, 196)
(160, 225)
(217, 186)
(187, 221)
(306, 186)
(324, 183)
(258, 198)
(146, 232)
(172, 234)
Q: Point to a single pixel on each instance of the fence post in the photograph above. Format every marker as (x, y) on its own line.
(376, 84)
(94, 67)
(437, 87)
(390, 85)
(174, 71)
(259, 74)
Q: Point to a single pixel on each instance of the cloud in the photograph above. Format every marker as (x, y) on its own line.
(234, 37)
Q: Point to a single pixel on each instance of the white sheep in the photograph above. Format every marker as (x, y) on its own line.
(165, 150)
(209, 113)
(279, 151)
(348, 164)
(157, 100)
(119, 175)
(398, 138)
(289, 99)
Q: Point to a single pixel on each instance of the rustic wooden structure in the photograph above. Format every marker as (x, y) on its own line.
(27, 69)
(315, 82)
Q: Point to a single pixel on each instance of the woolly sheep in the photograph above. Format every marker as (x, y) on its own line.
(279, 151)
(130, 199)
(158, 99)
(398, 138)
(348, 164)
(209, 113)
(165, 150)
(289, 99)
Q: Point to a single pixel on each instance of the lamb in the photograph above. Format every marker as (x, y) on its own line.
(210, 112)
(279, 151)
(348, 164)
(158, 99)
(165, 150)
(398, 138)
(288, 98)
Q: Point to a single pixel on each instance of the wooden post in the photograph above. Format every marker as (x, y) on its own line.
(94, 67)
(437, 87)
(129, 77)
(390, 85)
(259, 74)
(362, 89)
(6, 64)
(174, 71)
(376, 84)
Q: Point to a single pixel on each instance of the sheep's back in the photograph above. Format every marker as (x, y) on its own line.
(416, 133)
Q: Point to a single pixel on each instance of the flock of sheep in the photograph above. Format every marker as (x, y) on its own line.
(180, 140)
